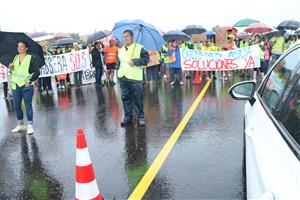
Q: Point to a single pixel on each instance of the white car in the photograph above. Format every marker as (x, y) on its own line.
(272, 130)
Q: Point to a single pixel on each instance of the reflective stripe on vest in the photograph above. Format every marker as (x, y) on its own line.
(20, 73)
(130, 72)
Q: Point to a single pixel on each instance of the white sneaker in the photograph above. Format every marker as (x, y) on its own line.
(18, 128)
(207, 78)
(172, 83)
(181, 83)
(29, 129)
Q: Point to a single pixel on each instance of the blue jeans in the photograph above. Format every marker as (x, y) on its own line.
(274, 58)
(176, 71)
(99, 73)
(152, 73)
(132, 93)
(78, 78)
(25, 93)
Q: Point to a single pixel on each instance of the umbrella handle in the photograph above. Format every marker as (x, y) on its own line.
(140, 30)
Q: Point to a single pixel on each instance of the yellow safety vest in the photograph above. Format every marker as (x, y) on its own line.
(261, 51)
(130, 72)
(278, 47)
(20, 73)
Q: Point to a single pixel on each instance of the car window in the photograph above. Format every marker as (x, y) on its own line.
(281, 80)
(290, 113)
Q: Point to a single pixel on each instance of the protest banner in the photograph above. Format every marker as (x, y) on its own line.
(241, 58)
(66, 63)
(88, 76)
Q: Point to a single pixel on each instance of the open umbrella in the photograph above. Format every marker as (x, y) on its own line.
(245, 22)
(194, 29)
(96, 36)
(176, 35)
(65, 41)
(258, 28)
(8, 48)
(289, 25)
(274, 32)
(144, 33)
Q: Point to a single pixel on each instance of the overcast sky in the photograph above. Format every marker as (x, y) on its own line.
(86, 16)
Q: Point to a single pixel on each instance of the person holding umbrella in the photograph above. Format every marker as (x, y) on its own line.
(132, 56)
(24, 72)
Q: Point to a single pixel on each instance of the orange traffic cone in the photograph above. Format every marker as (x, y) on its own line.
(197, 79)
(86, 185)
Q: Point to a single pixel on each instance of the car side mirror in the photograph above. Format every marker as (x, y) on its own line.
(243, 90)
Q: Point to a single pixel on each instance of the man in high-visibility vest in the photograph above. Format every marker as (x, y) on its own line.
(132, 57)
(278, 47)
(24, 73)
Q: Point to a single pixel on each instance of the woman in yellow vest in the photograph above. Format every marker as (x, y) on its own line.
(24, 73)
(132, 57)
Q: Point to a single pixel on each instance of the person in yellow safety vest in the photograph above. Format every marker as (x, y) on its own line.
(244, 43)
(278, 47)
(212, 47)
(24, 73)
(258, 41)
(132, 57)
(164, 60)
(293, 39)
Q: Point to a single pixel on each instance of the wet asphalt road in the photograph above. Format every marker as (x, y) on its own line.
(205, 163)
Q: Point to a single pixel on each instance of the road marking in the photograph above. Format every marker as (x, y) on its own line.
(147, 179)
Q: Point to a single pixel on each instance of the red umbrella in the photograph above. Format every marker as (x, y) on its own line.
(226, 28)
(258, 28)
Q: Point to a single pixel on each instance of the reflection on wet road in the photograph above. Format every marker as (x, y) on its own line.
(206, 161)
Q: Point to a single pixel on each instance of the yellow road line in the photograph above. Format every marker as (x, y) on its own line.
(147, 179)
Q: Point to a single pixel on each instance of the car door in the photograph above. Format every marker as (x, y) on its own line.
(272, 166)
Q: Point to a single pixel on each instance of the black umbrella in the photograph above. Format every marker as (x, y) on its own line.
(289, 25)
(8, 48)
(194, 29)
(274, 32)
(65, 41)
(96, 36)
(176, 35)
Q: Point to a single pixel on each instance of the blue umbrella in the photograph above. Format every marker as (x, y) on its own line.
(144, 33)
(176, 35)
(210, 33)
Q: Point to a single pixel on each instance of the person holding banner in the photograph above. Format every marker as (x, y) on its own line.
(24, 73)
(97, 62)
(77, 75)
(174, 62)
(132, 57)
(111, 59)
(258, 41)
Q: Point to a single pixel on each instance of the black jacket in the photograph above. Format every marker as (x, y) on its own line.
(96, 58)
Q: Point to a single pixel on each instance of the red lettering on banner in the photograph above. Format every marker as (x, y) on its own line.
(3, 71)
(83, 57)
(75, 60)
(229, 64)
(249, 63)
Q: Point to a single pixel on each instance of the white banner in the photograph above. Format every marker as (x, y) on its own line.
(66, 63)
(241, 58)
(3, 73)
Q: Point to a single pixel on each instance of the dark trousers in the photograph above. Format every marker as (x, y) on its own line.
(25, 93)
(176, 71)
(78, 78)
(152, 73)
(5, 89)
(132, 93)
(99, 73)
(44, 83)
